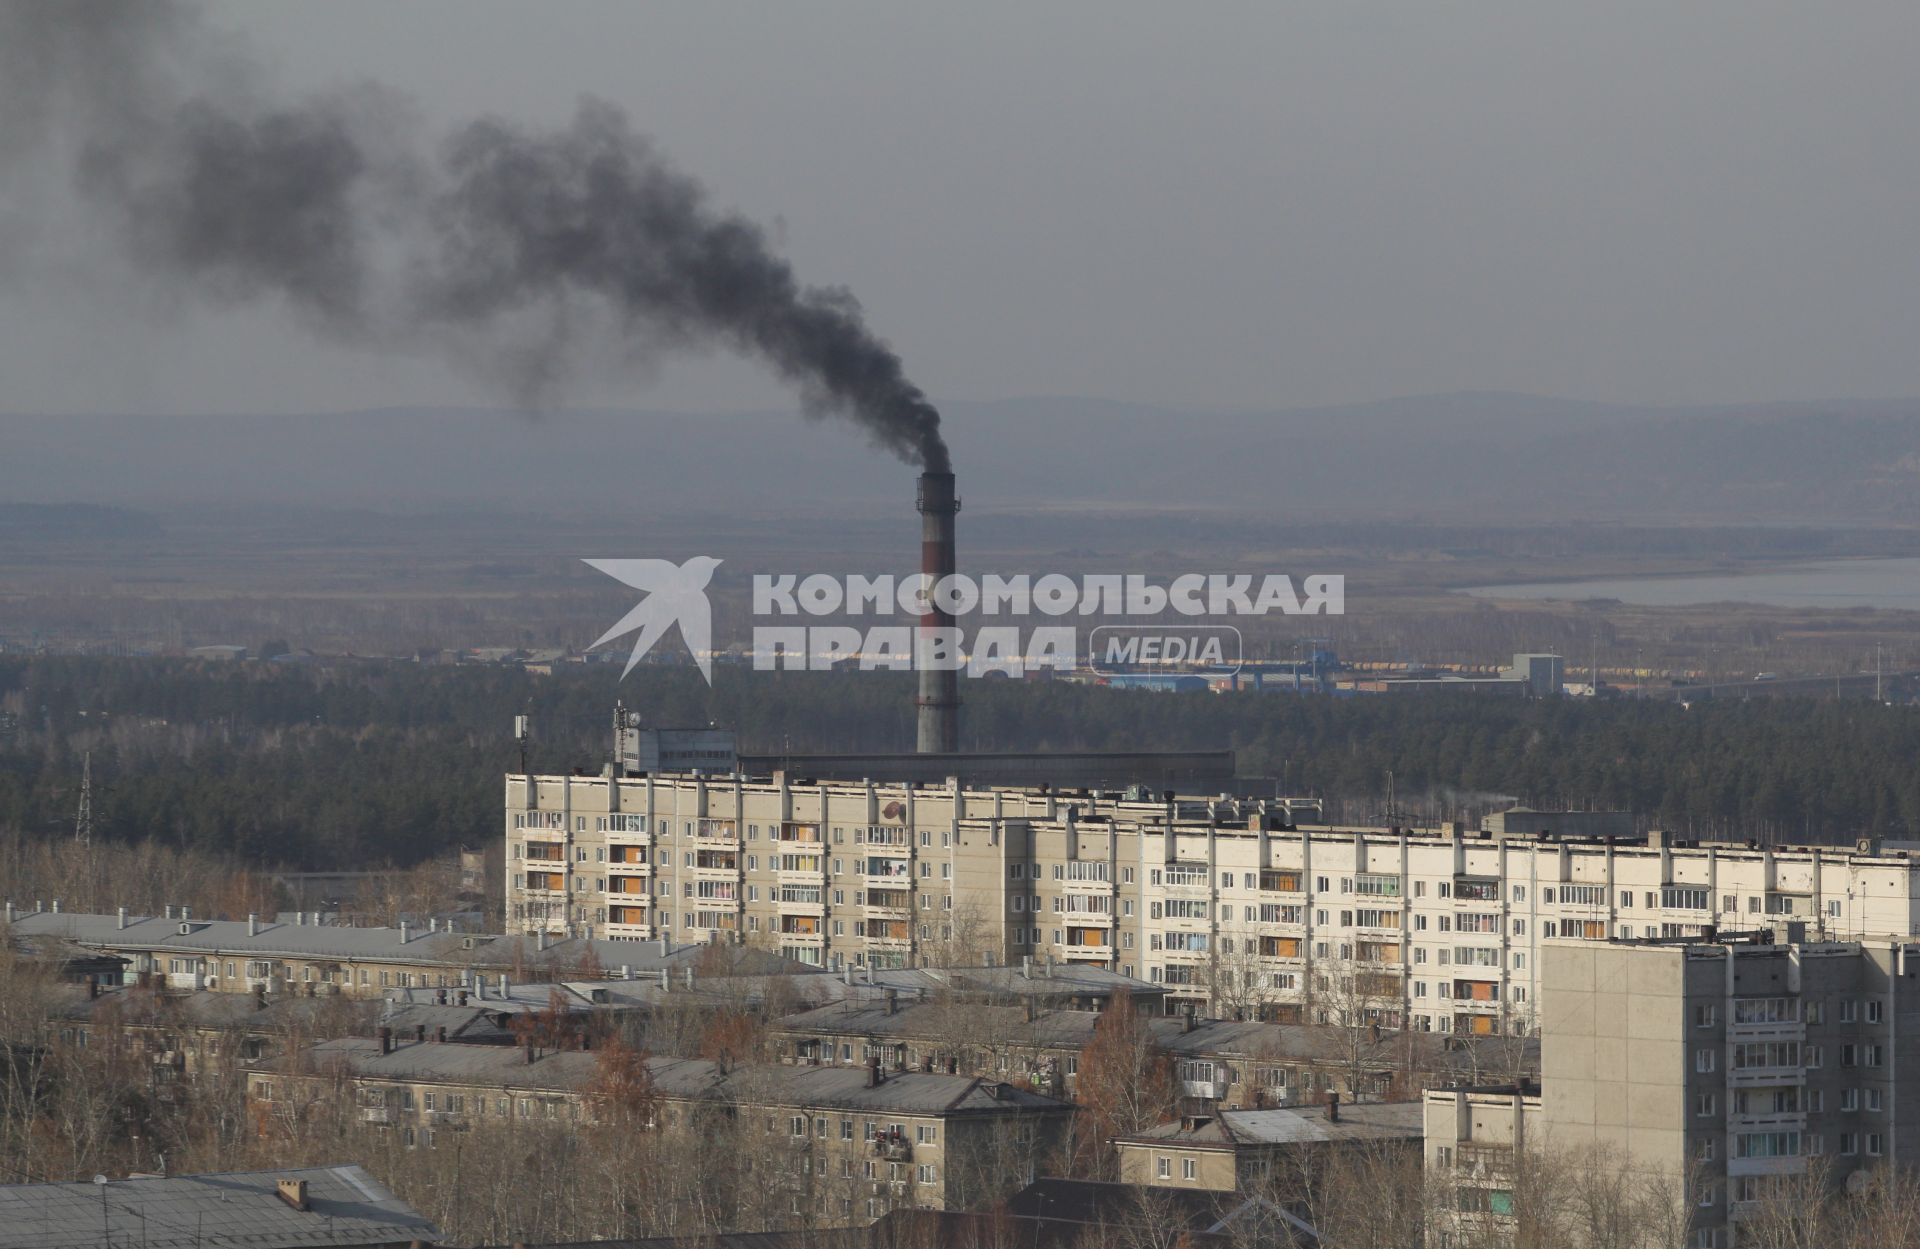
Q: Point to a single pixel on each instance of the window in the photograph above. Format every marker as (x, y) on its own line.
(1705, 1105)
(1163, 1167)
(1683, 898)
(1873, 1012)
(1189, 1169)
(1703, 1060)
(1707, 1014)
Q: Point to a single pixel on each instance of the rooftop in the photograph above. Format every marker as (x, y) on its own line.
(1305, 1125)
(571, 1071)
(346, 1206)
(426, 947)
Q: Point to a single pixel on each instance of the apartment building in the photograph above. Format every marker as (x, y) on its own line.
(1475, 1140)
(857, 1140)
(1224, 903)
(1726, 1066)
(1711, 1071)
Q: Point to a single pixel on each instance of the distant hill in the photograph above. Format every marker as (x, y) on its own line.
(1469, 457)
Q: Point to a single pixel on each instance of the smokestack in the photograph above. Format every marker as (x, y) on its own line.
(939, 700)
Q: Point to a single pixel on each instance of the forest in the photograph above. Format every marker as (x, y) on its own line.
(361, 764)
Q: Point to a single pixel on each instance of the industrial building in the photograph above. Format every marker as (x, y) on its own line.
(1245, 907)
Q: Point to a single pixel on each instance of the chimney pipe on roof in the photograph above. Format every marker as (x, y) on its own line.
(1333, 1106)
(939, 701)
(440, 997)
(440, 1034)
(1192, 1022)
(186, 912)
(386, 1040)
(294, 1193)
(666, 946)
(93, 987)
(420, 1034)
(1026, 966)
(56, 906)
(120, 916)
(626, 971)
(529, 1053)
(404, 935)
(893, 1002)
(123, 913)
(253, 924)
(504, 985)
(873, 1072)
(36, 907)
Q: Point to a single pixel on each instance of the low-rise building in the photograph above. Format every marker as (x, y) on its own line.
(909, 1138)
(1219, 1064)
(178, 951)
(1245, 1150)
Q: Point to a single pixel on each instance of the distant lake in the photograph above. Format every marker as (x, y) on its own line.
(1890, 583)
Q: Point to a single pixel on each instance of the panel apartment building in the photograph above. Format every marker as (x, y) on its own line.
(1712, 1071)
(1229, 903)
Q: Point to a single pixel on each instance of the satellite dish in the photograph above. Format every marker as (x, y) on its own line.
(893, 810)
(100, 1179)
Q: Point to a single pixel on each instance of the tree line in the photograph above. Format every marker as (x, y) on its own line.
(392, 762)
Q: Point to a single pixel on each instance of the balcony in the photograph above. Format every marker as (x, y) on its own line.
(1208, 1090)
(375, 1114)
(893, 1146)
(1186, 885)
(1282, 881)
(1753, 1077)
(716, 833)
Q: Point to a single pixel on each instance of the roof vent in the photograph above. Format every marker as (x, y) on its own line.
(294, 1193)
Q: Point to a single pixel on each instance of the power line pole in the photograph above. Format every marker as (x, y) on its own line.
(83, 820)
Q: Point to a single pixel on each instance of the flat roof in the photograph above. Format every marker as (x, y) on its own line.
(347, 1206)
(572, 1071)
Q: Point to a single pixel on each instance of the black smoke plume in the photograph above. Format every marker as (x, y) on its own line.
(513, 252)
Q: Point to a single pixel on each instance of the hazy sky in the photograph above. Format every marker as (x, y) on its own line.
(1215, 205)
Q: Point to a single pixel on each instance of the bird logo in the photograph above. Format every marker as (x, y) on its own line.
(676, 594)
